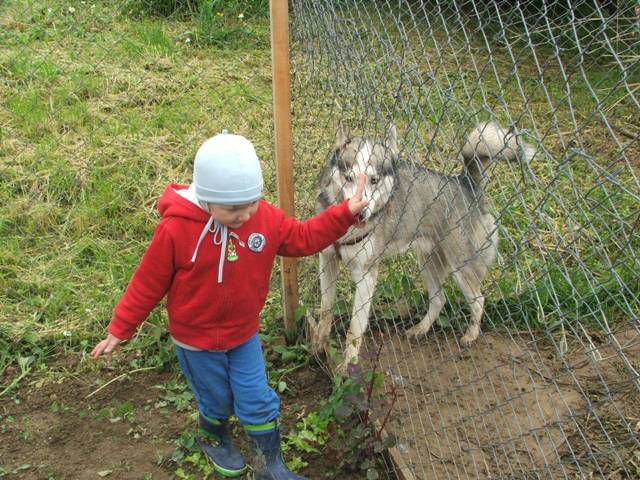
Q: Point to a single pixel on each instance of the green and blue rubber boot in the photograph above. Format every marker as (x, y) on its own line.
(219, 448)
(267, 460)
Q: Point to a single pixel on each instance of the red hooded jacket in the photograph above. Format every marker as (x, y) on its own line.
(202, 312)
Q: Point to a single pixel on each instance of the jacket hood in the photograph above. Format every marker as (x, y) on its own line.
(172, 204)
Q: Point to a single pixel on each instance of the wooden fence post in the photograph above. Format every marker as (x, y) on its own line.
(283, 146)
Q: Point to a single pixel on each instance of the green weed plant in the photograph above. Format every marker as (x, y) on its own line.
(356, 414)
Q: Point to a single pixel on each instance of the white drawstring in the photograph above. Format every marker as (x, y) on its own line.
(220, 234)
(202, 235)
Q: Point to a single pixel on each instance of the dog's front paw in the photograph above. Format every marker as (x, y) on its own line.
(351, 354)
(318, 334)
(346, 368)
(417, 331)
(470, 336)
(318, 347)
(342, 369)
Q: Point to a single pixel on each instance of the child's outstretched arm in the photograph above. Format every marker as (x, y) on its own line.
(147, 287)
(299, 239)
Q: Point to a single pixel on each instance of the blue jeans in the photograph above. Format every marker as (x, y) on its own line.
(231, 382)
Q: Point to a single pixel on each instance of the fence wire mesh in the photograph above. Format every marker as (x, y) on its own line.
(550, 389)
(97, 91)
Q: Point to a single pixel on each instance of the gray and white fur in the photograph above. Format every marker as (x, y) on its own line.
(444, 219)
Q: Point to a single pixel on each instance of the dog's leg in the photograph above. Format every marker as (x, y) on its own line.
(328, 279)
(470, 285)
(437, 300)
(432, 274)
(365, 281)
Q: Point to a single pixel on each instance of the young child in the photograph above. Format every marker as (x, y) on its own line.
(212, 255)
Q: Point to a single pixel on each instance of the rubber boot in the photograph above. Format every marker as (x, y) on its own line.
(222, 453)
(267, 457)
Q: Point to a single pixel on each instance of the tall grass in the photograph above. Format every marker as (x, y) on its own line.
(228, 23)
(101, 109)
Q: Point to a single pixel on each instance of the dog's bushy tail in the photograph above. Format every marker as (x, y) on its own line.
(489, 142)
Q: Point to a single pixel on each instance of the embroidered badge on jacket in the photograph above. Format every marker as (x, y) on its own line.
(256, 242)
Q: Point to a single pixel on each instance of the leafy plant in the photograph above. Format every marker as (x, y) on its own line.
(176, 394)
(59, 407)
(21, 357)
(359, 409)
(191, 463)
(310, 434)
(283, 359)
(119, 411)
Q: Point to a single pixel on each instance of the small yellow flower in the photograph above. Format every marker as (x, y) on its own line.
(241, 16)
(220, 14)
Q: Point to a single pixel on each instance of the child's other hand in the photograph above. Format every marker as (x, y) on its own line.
(106, 346)
(356, 203)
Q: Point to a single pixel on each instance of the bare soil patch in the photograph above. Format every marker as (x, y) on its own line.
(125, 431)
(508, 408)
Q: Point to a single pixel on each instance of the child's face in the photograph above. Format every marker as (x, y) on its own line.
(232, 215)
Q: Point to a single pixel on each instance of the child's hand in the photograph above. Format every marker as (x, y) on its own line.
(106, 346)
(356, 203)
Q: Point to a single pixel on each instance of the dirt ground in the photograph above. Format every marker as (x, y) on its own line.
(127, 430)
(509, 408)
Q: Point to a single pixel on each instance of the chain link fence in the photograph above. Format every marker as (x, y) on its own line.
(102, 102)
(551, 388)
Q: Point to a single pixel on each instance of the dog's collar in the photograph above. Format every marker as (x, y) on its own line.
(338, 246)
(354, 241)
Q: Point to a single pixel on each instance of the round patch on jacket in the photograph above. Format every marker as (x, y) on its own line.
(256, 242)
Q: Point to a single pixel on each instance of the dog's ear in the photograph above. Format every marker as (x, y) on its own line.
(391, 146)
(342, 136)
(391, 139)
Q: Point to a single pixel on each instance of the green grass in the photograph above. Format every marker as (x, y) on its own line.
(100, 111)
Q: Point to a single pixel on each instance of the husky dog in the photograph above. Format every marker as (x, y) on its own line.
(444, 219)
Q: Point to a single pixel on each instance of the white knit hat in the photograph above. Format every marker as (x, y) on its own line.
(227, 171)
